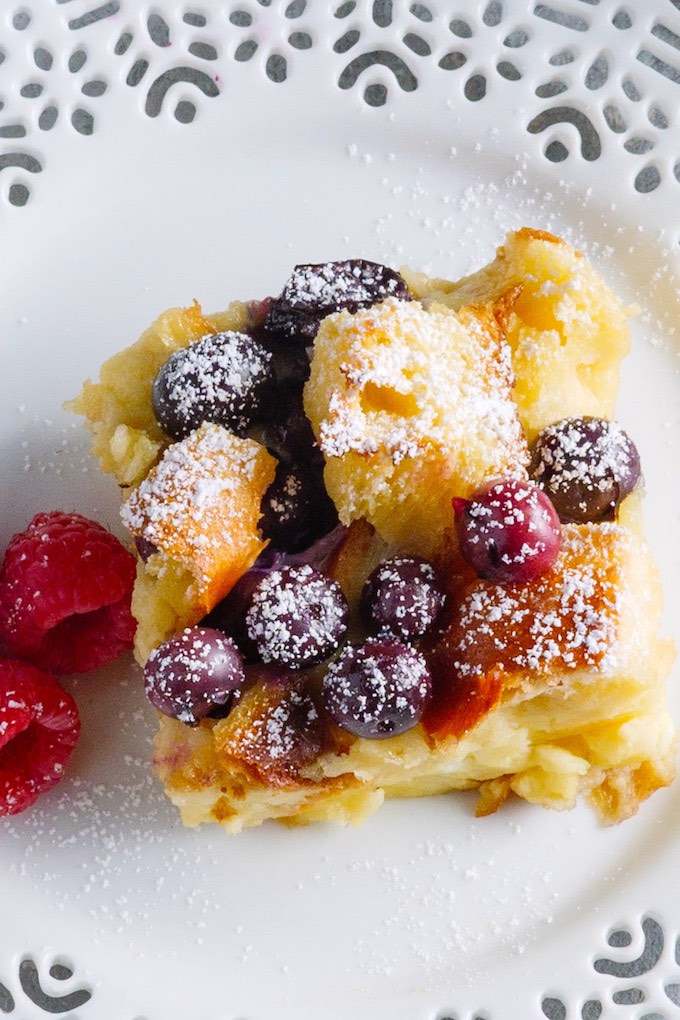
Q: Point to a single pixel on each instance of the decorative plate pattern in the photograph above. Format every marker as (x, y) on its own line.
(580, 92)
(626, 979)
(30, 992)
(595, 79)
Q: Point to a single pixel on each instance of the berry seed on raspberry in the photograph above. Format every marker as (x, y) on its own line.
(65, 591)
(39, 729)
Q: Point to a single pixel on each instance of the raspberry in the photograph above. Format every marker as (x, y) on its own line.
(39, 729)
(65, 591)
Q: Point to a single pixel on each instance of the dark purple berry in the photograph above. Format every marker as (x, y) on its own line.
(377, 689)
(194, 674)
(323, 552)
(315, 291)
(224, 378)
(291, 437)
(296, 509)
(586, 466)
(145, 548)
(509, 533)
(291, 367)
(256, 316)
(296, 617)
(402, 597)
(229, 615)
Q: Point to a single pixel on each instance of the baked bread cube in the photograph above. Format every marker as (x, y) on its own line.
(567, 330)
(197, 513)
(409, 407)
(574, 659)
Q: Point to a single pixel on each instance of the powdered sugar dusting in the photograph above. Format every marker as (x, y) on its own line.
(332, 284)
(296, 617)
(586, 465)
(410, 408)
(453, 381)
(277, 730)
(314, 291)
(403, 597)
(566, 620)
(221, 377)
(378, 688)
(282, 729)
(197, 480)
(193, 673)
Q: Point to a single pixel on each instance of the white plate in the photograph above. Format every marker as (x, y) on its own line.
(425, 911)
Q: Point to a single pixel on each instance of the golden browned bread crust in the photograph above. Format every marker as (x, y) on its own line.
(566, 329)
(182, 504)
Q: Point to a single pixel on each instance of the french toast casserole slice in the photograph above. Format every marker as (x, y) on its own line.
(549, 684)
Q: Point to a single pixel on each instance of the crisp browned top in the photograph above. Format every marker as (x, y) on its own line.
(505, 637)
(539, 235)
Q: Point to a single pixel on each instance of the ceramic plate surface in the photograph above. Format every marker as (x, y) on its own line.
(155, 153)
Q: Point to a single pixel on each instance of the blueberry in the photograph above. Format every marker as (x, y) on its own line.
(315, 291)
(586, 465)
(378, 689)
(296, 509)
(228, 616)
(402, 597)
(291, 366)
(290, 437)
(509, 533)
(224, 378)
(145, 548)
(296, 617)
(194, 674)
